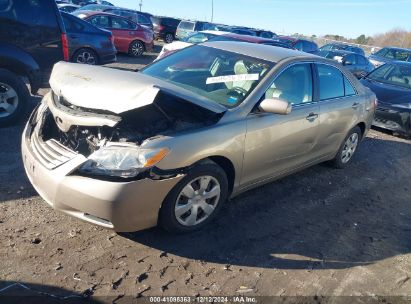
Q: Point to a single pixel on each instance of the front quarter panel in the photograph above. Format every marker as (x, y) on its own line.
(224, 139)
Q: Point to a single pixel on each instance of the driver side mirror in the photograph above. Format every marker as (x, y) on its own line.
(275, 106)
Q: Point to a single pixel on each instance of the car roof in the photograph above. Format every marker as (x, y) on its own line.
(92, 13)
(261, 51)
(248, 38)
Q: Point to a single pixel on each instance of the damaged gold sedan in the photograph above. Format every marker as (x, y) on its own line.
(170, 144)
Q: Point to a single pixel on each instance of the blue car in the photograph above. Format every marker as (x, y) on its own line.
(389, 54)
(88, 44)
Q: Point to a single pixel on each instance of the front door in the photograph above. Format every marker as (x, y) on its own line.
(276, 144)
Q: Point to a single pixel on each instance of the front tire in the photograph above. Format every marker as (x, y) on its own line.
(136, 48)
(14, 97)
(195, 200)
(347, 149)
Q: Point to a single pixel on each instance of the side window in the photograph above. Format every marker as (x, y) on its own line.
(118, 23)
(331, 82)
(299, 45)
(266, 35)
(143, 19)
(309, 46)
(350, 59)
(361, 60)
(326, 47)
(348, 88)
(100, 21)
(294, 85)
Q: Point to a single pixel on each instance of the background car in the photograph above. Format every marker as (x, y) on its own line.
(187, 27)
(299, 44)
(391, 83)
(165, 28)
(135, 16)
(204, 36)
(32, 39)
(88, 44)
(389, 54)
(129, 37)
(67, 7)
(343, 47)
(355, 63)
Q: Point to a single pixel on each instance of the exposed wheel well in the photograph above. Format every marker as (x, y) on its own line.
(228, 167)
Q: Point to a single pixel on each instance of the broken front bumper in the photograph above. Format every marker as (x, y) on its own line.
(122, 206)
(393, 119)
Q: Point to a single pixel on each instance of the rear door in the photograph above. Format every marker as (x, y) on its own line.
(124, 32)
(339, 107)
(34, 26)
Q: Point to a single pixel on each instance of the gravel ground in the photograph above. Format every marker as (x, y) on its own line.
(320, 232)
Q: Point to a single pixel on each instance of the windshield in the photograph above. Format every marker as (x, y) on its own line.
(198, 38)
(220, 76)
(398, 75)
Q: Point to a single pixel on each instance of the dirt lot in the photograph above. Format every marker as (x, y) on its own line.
(319, 232)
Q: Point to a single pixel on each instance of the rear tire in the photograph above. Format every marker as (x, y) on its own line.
(195, 200)
(14, 97)
(85, 56)
(169, 38)
(136, 48)
(348, 148)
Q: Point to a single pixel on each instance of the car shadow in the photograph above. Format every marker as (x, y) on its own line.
(320, 218)
(21, 292)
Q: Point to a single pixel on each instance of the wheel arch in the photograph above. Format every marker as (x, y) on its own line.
(228, 167)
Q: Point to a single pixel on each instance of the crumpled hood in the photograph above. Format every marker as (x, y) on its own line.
(114, 90)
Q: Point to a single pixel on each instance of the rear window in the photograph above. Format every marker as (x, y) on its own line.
(185, 25)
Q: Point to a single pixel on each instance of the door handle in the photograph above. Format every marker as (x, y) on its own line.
(312, 117)
(355, 105)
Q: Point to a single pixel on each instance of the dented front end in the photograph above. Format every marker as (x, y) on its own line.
(98, 164)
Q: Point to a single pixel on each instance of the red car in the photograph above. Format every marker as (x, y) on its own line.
(129, 37)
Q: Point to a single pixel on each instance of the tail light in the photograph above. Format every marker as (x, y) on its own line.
(111, 39)
(161, 27)
(64, 43)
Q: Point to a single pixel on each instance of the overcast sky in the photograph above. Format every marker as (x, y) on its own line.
(349, 18)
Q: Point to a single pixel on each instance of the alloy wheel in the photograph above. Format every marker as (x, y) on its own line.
(169, 38)
(9, 100)
(349, 148)
(137, 48)
(86, 57)
(197, 200)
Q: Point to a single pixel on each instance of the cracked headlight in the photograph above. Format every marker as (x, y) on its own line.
(122, 161)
